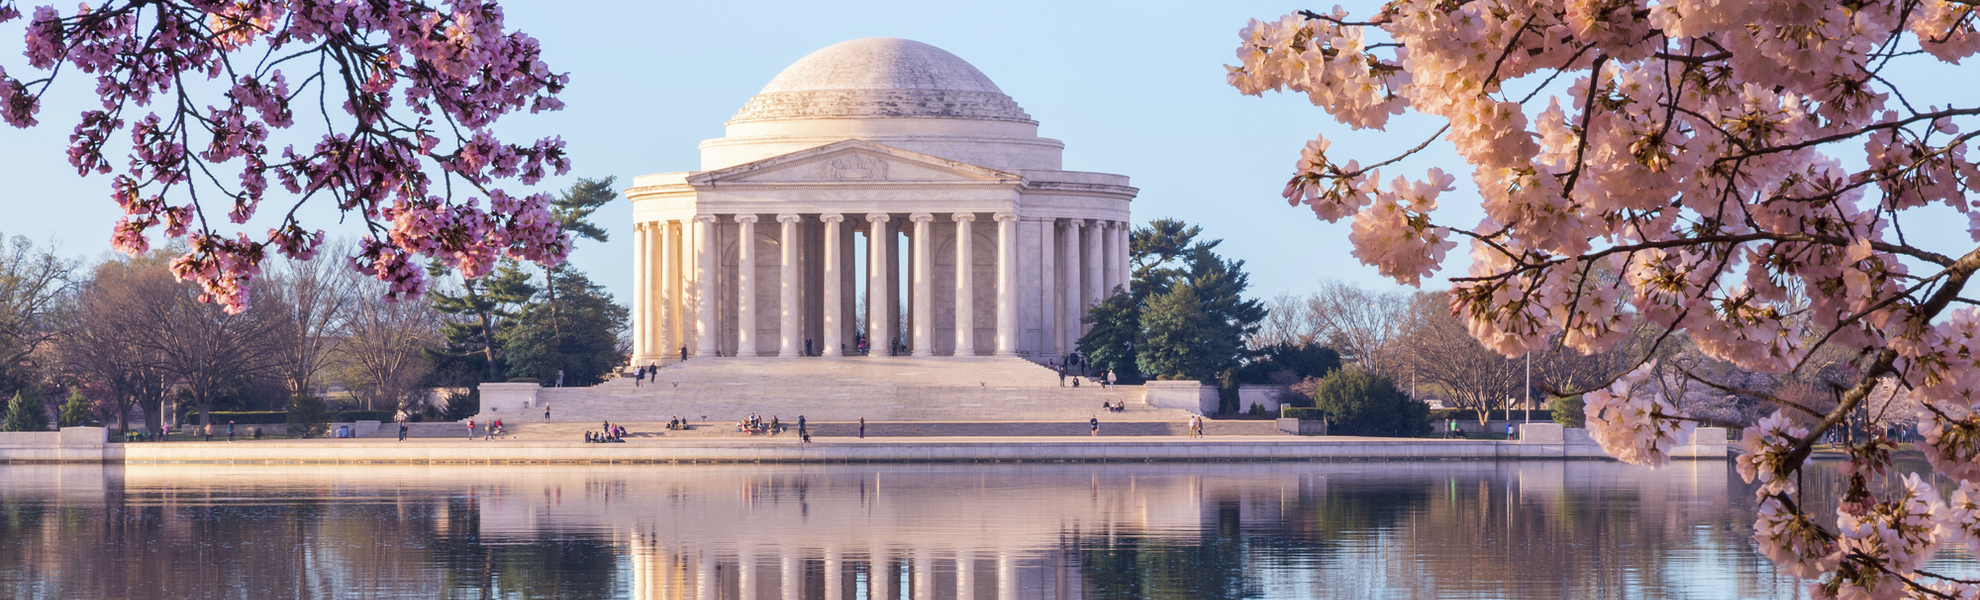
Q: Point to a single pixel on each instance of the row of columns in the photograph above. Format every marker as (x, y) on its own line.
(662, 573)
(674, 260)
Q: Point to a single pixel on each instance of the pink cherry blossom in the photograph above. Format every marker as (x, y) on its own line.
(420, 86)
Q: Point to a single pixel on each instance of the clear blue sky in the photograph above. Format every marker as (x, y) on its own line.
(1131, 88)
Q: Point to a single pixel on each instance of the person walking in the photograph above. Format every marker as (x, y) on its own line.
(1095, 424)
(862, 428)
(470, 429)
(803, 435)
(807, 346)
(402, 430)
(209, 431)
(560, 378)
(546, 412)
(1110, 379)
(1062, 377)
(683, 352)
(639, 375)
(230, 432)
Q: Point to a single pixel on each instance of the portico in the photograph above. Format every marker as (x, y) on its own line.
(883, 182)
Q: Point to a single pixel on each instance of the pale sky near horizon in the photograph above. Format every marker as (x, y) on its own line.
(1131, 88)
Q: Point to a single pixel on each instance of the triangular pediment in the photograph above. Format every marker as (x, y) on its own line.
(852, 162)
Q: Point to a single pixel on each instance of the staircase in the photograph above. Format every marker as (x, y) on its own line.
(877, 388)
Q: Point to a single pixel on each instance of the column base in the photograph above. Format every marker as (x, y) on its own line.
(919, 353)
(1010, 353)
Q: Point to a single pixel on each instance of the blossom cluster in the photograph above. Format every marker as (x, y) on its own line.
(418, 84)
(1736, 170)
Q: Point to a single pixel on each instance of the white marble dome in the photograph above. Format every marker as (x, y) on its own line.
(881, 77)
(900, 93)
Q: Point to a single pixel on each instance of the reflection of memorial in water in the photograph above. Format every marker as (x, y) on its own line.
(1202, 530)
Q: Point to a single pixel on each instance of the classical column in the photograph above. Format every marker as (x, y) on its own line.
(1113, 267)
(788, 332)
(704, 563)
(1093, 273)
(1071, 295)
(704, 285)
(881, 584)
(657, 302)
(877, 303)
(1007, 576)
(924, 574)
(924, 285)
(1007, 284)
(641, 295)
(833, 314)
(1048, 284)
(790, 569)
(834, 568)
(746, 572)
(1122, 252)
(745, 285)
(965, 287)
(670, 292)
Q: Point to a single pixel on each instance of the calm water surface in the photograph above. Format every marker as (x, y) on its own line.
(1332, 530)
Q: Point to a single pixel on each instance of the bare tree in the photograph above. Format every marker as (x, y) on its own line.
(198, 344)
(99, 344)
(1363, 325)
(1443, 353)
(313, 299)
(1287, 322)
(33, 283)
(383, 359)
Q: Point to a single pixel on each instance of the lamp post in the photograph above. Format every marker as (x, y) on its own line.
(1529, 387)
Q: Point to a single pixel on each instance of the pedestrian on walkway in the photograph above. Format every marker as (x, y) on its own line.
(639, 375)
(1095, 424)
(1110, 379)
(470, 429)
(546, 412)
(807, 346)
(1062, 377)
(402, 430)
(209, 431)
(230, 432)
(803, 435)
(862, 428)
(560, 378)
(683, 352)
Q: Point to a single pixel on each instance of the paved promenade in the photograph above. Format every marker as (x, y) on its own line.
(835, 450)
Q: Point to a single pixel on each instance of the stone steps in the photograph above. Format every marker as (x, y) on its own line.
(893, 429)
(881, 388)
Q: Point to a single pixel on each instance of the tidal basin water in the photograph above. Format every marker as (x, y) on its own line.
(1577, 529)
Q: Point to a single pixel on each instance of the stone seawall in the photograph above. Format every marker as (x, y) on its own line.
(1542, 445)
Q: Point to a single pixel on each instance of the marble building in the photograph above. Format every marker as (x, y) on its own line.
(897, 152)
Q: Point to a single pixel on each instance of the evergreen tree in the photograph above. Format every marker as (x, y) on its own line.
(76, 411)
(477, 314)
(308, 416)
(25, 413)
(578, 335)
(1210, 320)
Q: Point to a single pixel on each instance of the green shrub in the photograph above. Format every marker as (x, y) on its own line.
(1466, 414)
(1303, 414)
(1568, 411)
(524, 380)
(308, 416)
(1361, 403)
(462, 405)
(249, 417)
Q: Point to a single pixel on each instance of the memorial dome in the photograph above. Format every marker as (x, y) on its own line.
(885, 78)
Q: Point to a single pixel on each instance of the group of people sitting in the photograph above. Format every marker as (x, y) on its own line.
(612, 434)
(677, 424)
(754, 425)
(1114, 406)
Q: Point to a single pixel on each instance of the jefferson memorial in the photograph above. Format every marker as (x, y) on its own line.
(878, 178)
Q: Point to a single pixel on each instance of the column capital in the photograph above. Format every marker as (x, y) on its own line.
(832, 218)
(877, 217)
(1075, 223)
(1005, 217)
(960, 217)
(706, 218)
(640, 226)
(745, 218)
(921, 217)
(789, 218)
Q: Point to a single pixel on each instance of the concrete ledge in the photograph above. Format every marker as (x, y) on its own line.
(831, 450)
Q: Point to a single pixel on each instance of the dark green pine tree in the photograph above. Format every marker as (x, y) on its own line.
(478, 312)
(581, 336)
(1184, 315)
